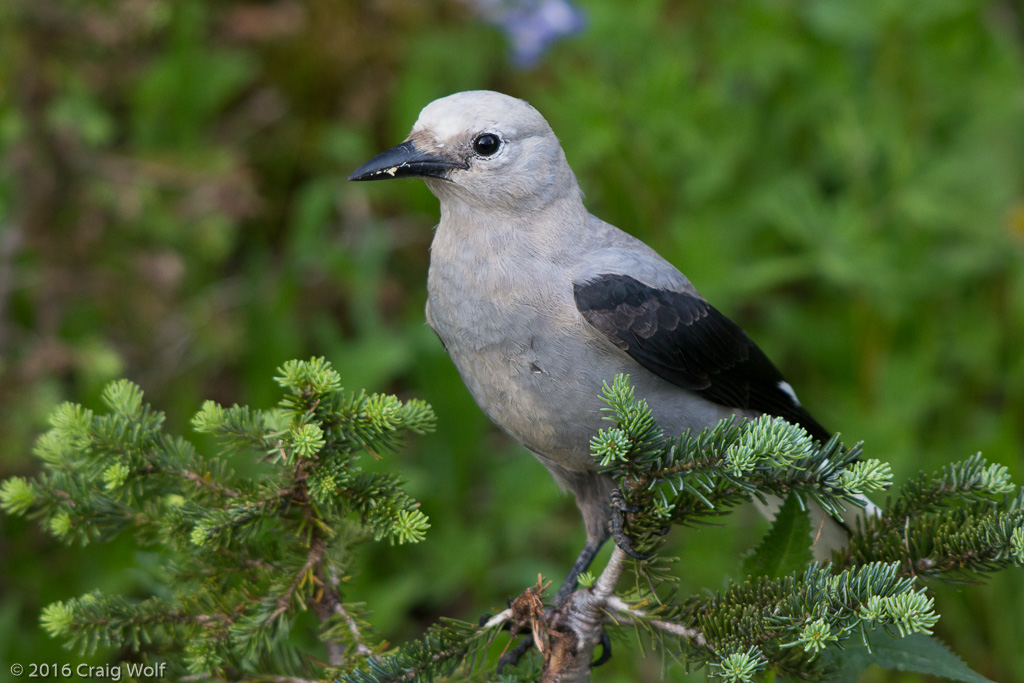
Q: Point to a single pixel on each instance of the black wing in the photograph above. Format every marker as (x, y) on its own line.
(684, 340)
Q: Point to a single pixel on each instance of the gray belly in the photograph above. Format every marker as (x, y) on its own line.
(538, 397)
(544, 390)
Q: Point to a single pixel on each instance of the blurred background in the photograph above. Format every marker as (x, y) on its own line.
(844, 179)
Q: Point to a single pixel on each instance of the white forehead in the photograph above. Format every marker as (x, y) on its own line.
(479, 111)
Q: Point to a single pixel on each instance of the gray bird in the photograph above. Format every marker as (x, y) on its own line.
(538, 303)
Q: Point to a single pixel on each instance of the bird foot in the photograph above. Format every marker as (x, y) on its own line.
(512, 657)
(619, 503)
(618, 524)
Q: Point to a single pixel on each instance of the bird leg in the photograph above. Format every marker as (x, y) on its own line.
(618, 524)
(583, 561)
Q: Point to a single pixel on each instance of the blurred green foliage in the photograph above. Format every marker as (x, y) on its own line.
(844, 179)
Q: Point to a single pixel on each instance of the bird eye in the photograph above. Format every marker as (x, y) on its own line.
(486, 144)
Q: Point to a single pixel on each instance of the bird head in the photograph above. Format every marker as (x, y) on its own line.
(480, 149)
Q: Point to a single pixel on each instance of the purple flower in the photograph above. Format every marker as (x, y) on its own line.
(530, 25)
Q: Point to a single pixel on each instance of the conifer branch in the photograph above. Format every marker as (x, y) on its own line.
(620, 606)
(249, 555)
(353, 628)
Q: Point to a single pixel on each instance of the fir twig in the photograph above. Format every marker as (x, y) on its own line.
(248, 555)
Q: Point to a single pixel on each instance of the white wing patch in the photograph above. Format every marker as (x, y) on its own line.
(785, 387)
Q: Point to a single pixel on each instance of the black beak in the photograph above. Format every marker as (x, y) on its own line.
(403, 161)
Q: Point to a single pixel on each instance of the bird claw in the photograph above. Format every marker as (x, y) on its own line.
(624, 544)
(606, 650)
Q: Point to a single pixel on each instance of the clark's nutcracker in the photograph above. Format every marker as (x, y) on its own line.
(538, 302)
